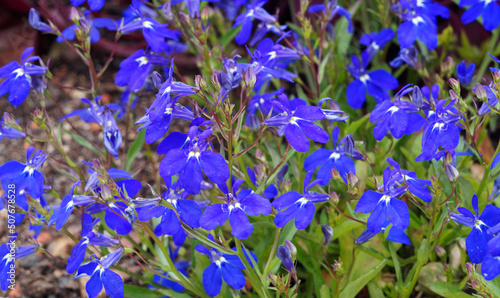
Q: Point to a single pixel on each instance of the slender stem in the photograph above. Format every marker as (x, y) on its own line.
(482, 68)
(487, 173)
(273, 251)
(254, 278)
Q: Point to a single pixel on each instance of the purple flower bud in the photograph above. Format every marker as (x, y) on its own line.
(328, 234)
(451, 172)
(291, 248)
(284, 255)
(157, 79)
(481, 93)
(417, 96)
(440, 251)
(455, 84)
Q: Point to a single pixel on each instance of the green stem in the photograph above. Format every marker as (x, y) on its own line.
(486, 61)
(271, 255)
(254, 278)
(486, 174)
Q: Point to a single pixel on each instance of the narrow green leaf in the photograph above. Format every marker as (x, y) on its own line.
(354, 287)
(134, 150)
(84, 142)
(448, 290)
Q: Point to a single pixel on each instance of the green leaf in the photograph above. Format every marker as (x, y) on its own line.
(134, 150)
(84, 143)
(354, 126)
(448, 290)
(324, 292)
(226, 39)
(354, 287)
(140, 292)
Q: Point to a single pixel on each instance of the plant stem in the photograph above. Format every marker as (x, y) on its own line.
(254, 278)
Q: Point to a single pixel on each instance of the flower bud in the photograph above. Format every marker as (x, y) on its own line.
(258, 154)
(470, 268)
(157, 79)
(481, 92)
(454, 84)
(200, 82)
(74, 15)
(453, 95)
(348, 145)
(417, 96)
(184, 18)
(440, 251)
(273, 278)
(352, 179)
(451, 172)
(328, 234)
(449, 157)
(106, 192)
(250, 77)
(291, 248)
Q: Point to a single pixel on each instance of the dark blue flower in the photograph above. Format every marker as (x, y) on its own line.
(406, 55)
(328, 160)
(297, 125)
(254, 11)
(283, 253)
(398, 177)
(94, 5)
(490, 10)
(9, 128)
(95, 111)
(94, 24)
(61, 215)
(237, 208)
(492, 100)
(25, 176)
(9, 252)
(223, 266)
(19, 78)
(88, 238)
(395, 234)
(375, 82)
(465, 73)
(419, 21)
(400, 117)
(477, 240)
(101, 275)
(189, 163)
(298, 206)
(35, 22)
(374, 42)
(112, 135)
(330, 10)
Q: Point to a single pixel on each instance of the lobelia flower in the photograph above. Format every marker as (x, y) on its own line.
(95, 111)
(419, 21)
(496, 160)
(400, 117)
(135, 69)
(336, 159)
(153, 31)
(9, 128)
(190, 161)
(193, 6)
(298, 206)
(283, 253)
(384, 206)
(254, 11)
(223, 266)
(101, 275)
(94, 5)
(477, 240)
(297, 125)
(465, 73)
(375, 82)
(491, 100)
(88, 25)
(9, 252)
(112, 135)
(490, 10)
(406, 55)
(330, 10)
(237, 208)
(273, 52)
(270, 192)
(263, 29)
(19, 78)
(25, 176)
(189, 212)
(374, 42)
(61, 215)
(395, 234)
(88, 238)
(35, 22)
(260, 103)
(230, 79)
(398, 177)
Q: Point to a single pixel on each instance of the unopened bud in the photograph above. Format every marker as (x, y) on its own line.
(496, 77)
(454, 84)
(184, 18)
(259, 155)
(352, 179)
(451, 172)
(328, 234)
(334, 197)
(291, 248)
(453, 95)
(449, 157)
(157, 79)
(440, 251)
(85, 25)
(348, 145)
(250, 77)
(273, 278)
(481, 93)
(74, 15)
(106, 192)
(417, 96)
(469, 267)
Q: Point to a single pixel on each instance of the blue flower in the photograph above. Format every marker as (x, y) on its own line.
(9, 252)
(9, 128)
(260, 103)
(254, 11)
(376, 82)
(490, 10)
(237, 208)
(61, 215)
(400, 117)
(492, 100)
(406, 55)
(88, 238)
(100, 275)
(283, 253)
(193, 6)
(297, 125)
(35, 22)
(298, 206)
(263, 29)
(328, 160)
(19, 78)
(154, 32)
(270, 192)
(189, 163)
(374, 42)
(330, 10)
(112, 135)
(94, 24)
(395, 234)
(384, 206)
(25, 176)
(477, 240)
(399, 177)
(419, 21)
(181, 266)
(223, 266)
(465, 73)
(135, 69)
(95, 111)
(94, 5)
